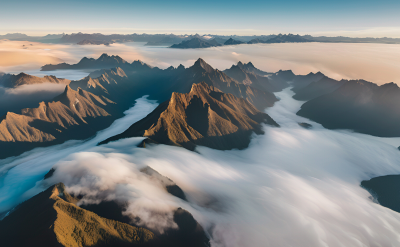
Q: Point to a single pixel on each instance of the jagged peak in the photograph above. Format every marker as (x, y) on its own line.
(23, 75)
(250, 64)
(57, 189)
(67, 89)
(104, 55)
(180, 66)
(198, 88)
(240, 64)
(200, 63)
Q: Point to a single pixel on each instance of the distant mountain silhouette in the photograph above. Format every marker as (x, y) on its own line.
(255, 41)
(103, 62)
(231, 41)
(196, 43)
(360, 106)
(94, 42)
(288, 38)
(204, 116)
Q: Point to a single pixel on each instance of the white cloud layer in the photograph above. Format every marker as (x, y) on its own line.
(291, 187)
(378, 63)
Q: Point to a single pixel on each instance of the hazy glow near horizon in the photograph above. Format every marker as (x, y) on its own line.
(378, 63)
(253, 17)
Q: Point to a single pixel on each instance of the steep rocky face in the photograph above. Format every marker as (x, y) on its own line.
(358, 105)
(13, 81)
(72, 114)
(105, 82)
(51, 218)
(204, 116)
(317, 88)
(203, 72)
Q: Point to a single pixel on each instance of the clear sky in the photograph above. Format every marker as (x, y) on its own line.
(245, 17)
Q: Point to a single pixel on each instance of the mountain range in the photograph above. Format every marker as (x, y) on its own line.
(103, 62)
(204, 116)
(94, 102)
(170, 39)
(107, 92)
(196, 43)
(199, 42)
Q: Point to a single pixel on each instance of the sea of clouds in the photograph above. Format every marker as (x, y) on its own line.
(378, 63)
(291, 187)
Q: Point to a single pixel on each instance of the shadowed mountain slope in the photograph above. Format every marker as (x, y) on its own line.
(360, 106)
(51, 218)
(385, 190)
(204, 116)
(73, 114)
(317, 88)
(301, 81)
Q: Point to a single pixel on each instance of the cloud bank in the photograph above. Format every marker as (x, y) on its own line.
(378, 63)
(27, 96)
(291, 187)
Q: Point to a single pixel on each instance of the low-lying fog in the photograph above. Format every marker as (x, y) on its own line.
(291, 187)
(378, 63)
(27, 96)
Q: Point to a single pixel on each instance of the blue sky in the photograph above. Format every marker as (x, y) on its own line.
(340, 17)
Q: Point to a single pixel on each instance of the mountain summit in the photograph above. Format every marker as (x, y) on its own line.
(204, 116)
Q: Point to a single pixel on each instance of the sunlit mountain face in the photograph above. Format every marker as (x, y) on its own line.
(207, 124)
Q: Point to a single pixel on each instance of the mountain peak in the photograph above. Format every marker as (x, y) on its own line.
(250, 64)
(200, 63)
(68, 88)
(104, 55)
